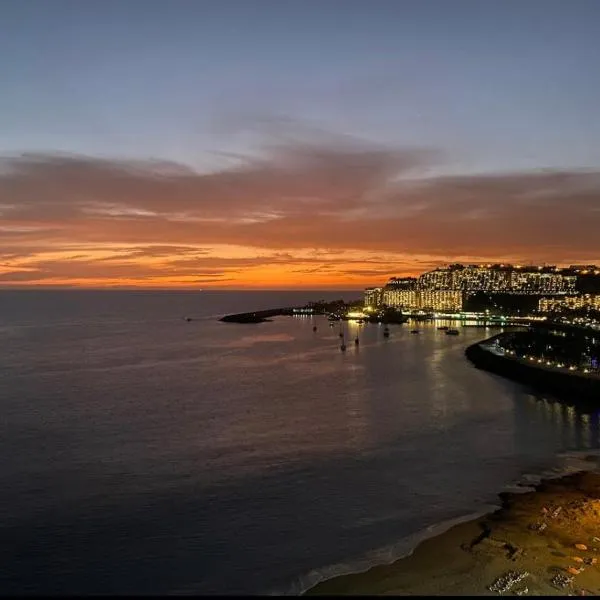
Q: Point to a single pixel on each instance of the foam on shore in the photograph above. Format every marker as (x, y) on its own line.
(383, 556)
(568, 463)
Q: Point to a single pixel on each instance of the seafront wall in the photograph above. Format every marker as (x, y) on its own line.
(571, 387)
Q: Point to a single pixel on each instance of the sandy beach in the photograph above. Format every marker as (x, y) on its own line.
(548, 539)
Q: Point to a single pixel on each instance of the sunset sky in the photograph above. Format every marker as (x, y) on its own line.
(301, 144)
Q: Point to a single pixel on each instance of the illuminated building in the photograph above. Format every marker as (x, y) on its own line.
(402, 283)
(498, 279)
(570, 302)
(456, 280)
(400, 298)
(444, 300)
(373, 296)
(585, 269)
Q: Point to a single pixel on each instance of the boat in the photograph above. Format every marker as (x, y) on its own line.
(443, 328)
(415, 331)
(356, 341)
(452, 332)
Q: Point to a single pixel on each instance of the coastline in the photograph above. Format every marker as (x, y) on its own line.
(569, 387)
(526, 534)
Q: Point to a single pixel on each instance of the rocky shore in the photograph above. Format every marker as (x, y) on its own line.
(542, 542)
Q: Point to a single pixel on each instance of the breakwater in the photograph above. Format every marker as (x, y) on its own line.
(574, 388)
(259, 316)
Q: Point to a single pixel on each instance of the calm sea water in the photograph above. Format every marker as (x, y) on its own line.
(140, 453)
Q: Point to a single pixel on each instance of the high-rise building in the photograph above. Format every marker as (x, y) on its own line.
(402, 283)
(400, 298)
(457, 280)
(570, 302)
(373, 296)
(441, 300)
(498, 279)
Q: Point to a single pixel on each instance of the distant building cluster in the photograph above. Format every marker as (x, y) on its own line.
(592, 301)
(445, 288)
(497, 279)
(443, 300)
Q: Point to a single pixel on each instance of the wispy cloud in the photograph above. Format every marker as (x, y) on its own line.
(302, 211)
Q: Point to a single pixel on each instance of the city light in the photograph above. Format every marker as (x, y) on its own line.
(446, 293)
(445, 288)
(356, 315)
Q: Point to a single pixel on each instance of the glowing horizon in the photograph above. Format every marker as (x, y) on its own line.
(278, 145)
(309, 216)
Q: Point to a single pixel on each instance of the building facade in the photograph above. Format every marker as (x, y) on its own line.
(498, 279)
(442, 300)
(373, 296)
(445, 288)
(399, 298)
(430, 300)
(570, 302)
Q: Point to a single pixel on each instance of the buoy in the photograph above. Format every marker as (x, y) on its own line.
(343, 347)
(356, 341)
(341, 334)
(315, 328)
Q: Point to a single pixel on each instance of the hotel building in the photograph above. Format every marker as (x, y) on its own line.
(445, 288)
(443, 300)
(498, 279)
(570, 302)
(374, 296)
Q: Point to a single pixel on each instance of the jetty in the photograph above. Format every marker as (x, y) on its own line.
(259, 316)
(337, 307)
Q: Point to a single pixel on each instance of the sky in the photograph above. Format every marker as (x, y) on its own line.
(277, 143)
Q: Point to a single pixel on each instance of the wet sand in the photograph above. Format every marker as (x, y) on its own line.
(534, 532)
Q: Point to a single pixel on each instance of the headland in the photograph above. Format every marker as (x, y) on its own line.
(566, 382)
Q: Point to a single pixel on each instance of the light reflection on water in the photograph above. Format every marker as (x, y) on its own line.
(219, 457)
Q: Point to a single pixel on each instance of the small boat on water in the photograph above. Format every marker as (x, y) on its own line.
(443, 328)
(415, 331)
(452, 332)
(386, 332)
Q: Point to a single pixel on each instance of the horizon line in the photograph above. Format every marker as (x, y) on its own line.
(167, 289)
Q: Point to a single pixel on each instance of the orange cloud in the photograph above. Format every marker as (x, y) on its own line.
(304, 215)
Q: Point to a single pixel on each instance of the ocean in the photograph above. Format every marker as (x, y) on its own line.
(141, 453)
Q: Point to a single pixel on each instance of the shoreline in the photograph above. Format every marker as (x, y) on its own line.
(523, 535)
(567, 386)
